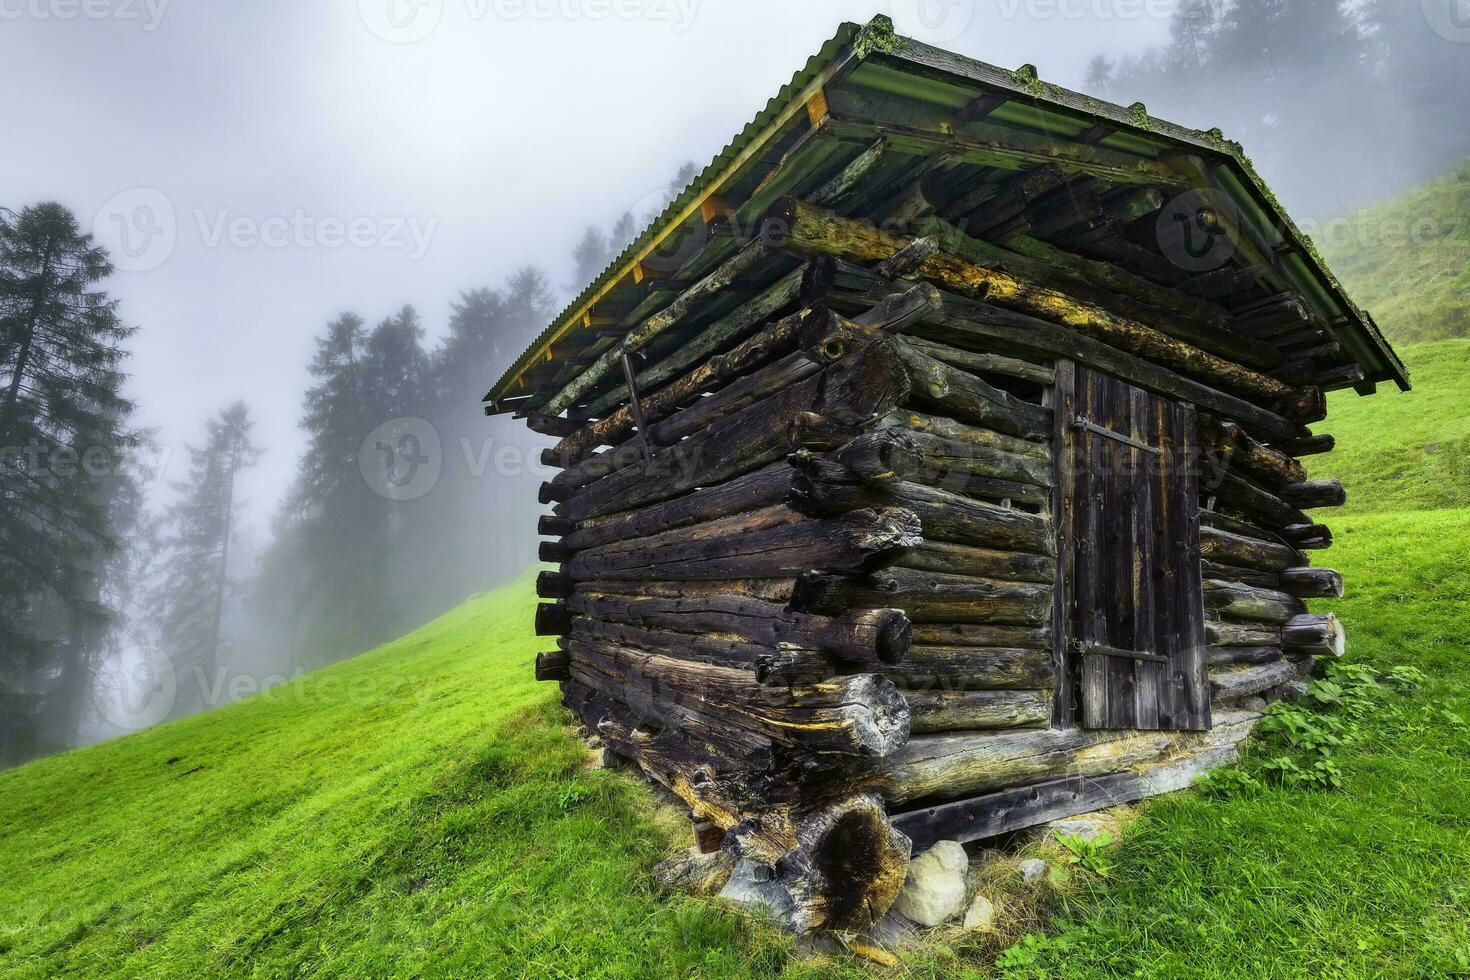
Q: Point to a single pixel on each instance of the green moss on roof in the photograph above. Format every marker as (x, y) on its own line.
(877, 36)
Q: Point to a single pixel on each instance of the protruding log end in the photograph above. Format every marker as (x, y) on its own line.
(551, 425)
(554, 585)
(553, 619)
(894, 632)
(555, 527)
(1319, 634)
(882, 456)
(817, 280)
(1312, 583)
(1306, 406)
(848, 866)
(554, 551)
(1308, 537)
(553, 666)
(551, 493)
(1315, 493)
(1307, 446)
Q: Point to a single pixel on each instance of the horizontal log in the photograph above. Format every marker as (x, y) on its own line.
(949, 668)
(553, 552)
(554, 526)
(552, 666)
(1243, 682)
(948, 389)
(949, 766)
(861, 714)
(1234, 601)
(1228, 548)
(554, 585)
(824, 487)
(926, 597)
(1245, 576)
(947, 711)
(863, 637)
(708, 648)
(1257, 460)
(1235, 656)
(853, 542)
(963, 559)
(867, 383)
(763, 488)
(1315, 493)
(593, 672)
(1312, 583)
(981, 635)
(1223, 633)
(1306, 445)
(966, 323)
(553, 619)
(1308, 536)
(550, 425)
(1272, 511)
(1017, 808)
(899, 454)
(1320, 634)
(812, 231)
(983, 363)
(948, 429)
(774, 590)
(766, 518)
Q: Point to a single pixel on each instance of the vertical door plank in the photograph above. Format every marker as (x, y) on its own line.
(1064, 512)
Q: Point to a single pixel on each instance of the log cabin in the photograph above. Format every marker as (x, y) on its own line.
(931, 467)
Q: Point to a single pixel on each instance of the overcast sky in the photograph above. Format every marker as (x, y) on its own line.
(258, 167)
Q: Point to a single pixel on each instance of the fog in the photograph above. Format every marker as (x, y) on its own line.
(257, 170)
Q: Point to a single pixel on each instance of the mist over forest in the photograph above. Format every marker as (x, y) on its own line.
(128, 598)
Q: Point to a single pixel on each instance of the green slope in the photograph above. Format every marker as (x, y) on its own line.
(415, 811)
(1408, 260)
(1404, 450)
(420, 810)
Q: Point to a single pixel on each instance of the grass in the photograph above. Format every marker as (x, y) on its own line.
(1408, 259)
(421, 811)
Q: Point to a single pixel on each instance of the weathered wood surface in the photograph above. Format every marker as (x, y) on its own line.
(950, 766)
(947, 711)
(863, 637)
(1244, 602)
(926, 597)
(1315, 633)
(1135, 574)
(1000, 812)
(859, 714)
(810, 230)
(1013, 566)
(1244, 681)
(762, 488)
(825, 487)
(853, 542)
(1312, 583)
(866, 384)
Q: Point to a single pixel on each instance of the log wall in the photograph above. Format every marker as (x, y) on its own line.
(818, 595)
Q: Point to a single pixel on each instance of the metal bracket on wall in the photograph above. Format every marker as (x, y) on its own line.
(1087, 425)
(1100, 650)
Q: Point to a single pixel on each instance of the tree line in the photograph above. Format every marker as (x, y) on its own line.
(103, 590)
(1339, 102)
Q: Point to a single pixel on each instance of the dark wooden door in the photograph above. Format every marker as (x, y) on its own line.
(1130, 615)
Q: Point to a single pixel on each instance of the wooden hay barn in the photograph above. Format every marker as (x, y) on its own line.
(931, 467)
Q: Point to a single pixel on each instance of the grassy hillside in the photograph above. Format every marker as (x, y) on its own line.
(1408, 260)
(420, 810)
(1405, 451)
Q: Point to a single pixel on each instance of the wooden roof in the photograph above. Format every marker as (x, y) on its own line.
(982, 124)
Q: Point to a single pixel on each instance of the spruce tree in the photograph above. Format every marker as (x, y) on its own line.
(63, 432)
(196, 585)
